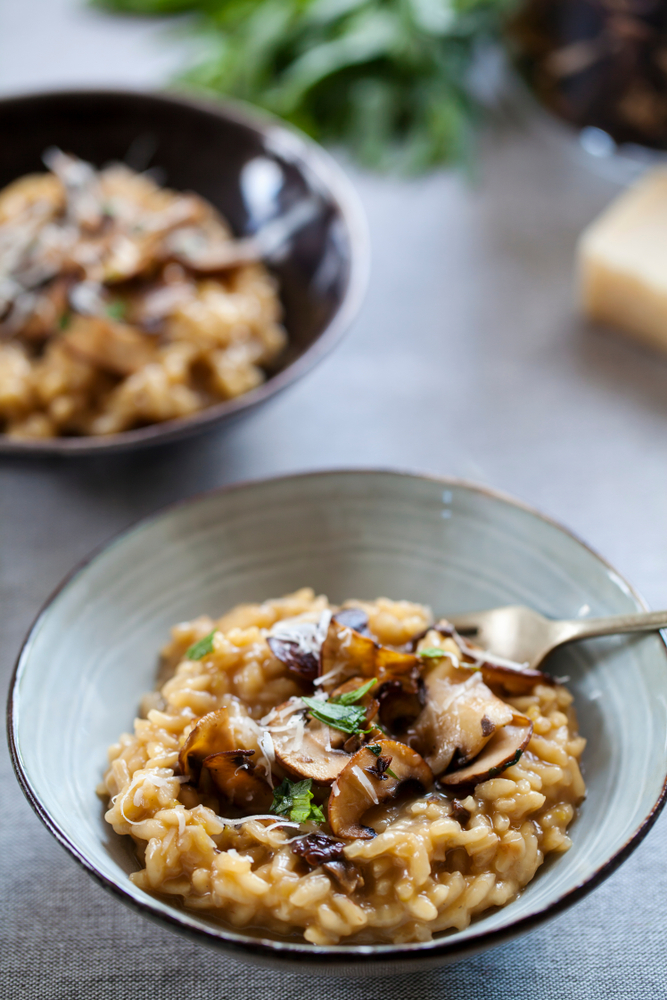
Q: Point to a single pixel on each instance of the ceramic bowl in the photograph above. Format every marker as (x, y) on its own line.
(250, 167)
(92, 653)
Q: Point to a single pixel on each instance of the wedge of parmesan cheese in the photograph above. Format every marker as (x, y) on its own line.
(623, 262)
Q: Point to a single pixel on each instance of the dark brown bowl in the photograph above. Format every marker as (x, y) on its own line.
(206, 147)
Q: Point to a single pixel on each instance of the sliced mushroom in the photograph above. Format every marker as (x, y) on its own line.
(297, 644)
(347, 653)
(401, 701)
(302, 663)
(355, 618)
(235, 777)
(211, 735)
(306, 747)
(228, 728)
(511, 680)
(460, 717)
(114, 347)
(317, 848)
(500, 753)
(346, 874)
(365, 783)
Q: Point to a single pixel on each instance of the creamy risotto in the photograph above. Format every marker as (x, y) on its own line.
(123, 303)
(357, 773)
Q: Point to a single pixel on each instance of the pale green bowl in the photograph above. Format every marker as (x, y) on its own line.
(92, 653)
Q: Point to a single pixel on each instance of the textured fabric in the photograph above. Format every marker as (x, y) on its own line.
(465, 361)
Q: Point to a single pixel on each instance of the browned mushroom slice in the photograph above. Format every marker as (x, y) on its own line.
(301, 662)
(401, 701)
(317, 848)
(366, 781)
(306, 747)
(235, 777)
(500, 753)
(113, 347)
(211, 735)
(459, 718)
(347, 653)
(355, 618)
(346, 875)
(508, 679)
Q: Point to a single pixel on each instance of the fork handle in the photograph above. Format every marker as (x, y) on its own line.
(586, 628)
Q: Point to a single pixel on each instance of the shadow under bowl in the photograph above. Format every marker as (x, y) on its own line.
(249, 166)
(92, 653)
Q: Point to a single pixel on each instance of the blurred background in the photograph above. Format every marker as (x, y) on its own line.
(469, 358)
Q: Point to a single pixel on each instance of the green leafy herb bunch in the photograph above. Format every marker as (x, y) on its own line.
(386, 78)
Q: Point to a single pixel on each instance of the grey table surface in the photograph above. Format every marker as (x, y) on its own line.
(467, 359)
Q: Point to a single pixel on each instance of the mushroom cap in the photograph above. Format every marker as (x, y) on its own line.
(365, 783)
(308, 748)
(348, 653)
(227, 728)
(503, 750)
(235, 777)
(460, 717)
(212, 734)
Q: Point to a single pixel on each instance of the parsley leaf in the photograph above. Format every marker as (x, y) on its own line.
(198, 650)
(352, 697)
(347, 718)
(64, 320)
(294, 799)
(115, 309)
(433, 652)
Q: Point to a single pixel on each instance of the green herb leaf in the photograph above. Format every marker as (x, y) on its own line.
(352, 697)
(198, 650)
(347, 718)
(389, 78)
(432, 652)
(294, 799)
(64, 320)
(116, 309)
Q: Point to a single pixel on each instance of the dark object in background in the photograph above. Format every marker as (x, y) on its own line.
(252, 169)
(600, 63)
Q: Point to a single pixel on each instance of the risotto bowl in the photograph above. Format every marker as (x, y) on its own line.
(91, 655)
(253, 170)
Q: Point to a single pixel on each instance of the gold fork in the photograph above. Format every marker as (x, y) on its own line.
(524, 636)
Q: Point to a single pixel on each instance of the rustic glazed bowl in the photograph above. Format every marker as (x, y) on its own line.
(250, 167)
(92, 653)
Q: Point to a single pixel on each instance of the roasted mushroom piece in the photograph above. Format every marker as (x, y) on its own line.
(235, 777)
(347, 653)
(511, 680)
(228, 730)
(500, 753)
(114, 347)
(460, 717)
(377, 773)
(297, 644)
(306, 747)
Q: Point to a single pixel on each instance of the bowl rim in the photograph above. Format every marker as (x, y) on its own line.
(312, 160)
(440, 950)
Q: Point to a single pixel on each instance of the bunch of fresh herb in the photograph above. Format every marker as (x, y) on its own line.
(343, 712)
(294, 799)
(388, 78)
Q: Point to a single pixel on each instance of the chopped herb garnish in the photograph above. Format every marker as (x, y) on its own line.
(198, 650)
(294, 799)
(347, 718)
(352, 697)
(433, 652)
(64, 320)
(376, 750)
(116, 309)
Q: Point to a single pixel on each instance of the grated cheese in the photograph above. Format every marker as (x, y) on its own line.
(365, 783)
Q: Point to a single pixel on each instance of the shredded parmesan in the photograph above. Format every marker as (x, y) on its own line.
(365, 783)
